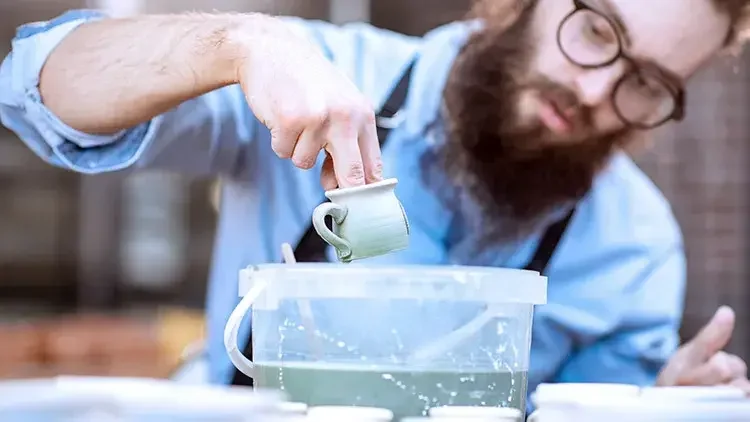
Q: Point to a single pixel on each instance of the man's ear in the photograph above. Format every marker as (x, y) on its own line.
(739, 33)
(638, 142)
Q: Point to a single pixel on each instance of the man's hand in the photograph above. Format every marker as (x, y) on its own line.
(309, 105)
(124, 72)
(701, 361)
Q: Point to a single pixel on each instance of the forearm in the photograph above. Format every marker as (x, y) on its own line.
(113, 74)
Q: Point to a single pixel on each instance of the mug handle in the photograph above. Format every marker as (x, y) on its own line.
(338, 212)
(231, 330)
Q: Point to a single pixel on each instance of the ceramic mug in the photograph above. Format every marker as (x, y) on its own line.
(367, 221)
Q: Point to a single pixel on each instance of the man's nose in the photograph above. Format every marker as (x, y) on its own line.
(595, 85)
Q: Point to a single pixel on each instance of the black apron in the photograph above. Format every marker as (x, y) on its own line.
(311, 248)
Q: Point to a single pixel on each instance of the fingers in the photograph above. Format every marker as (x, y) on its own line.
(743, 384)
(343, 146)
(284, 140)
(738, 366)
(369, 146)
(701, 361)
(721, 368)
(306, 150)
(346, 129)
(327, 175)
(364, 164)
(713, 337)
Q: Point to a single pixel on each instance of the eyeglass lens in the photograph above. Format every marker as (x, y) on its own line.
(589, 40)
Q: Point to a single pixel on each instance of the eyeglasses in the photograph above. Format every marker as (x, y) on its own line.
(646, 96)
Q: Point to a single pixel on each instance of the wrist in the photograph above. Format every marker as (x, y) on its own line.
(241, 34)
(252, 40)
(223, 49)
(203, 48)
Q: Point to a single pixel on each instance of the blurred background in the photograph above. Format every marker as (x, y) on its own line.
(107, 275)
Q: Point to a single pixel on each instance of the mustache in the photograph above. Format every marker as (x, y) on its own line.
(566, 102)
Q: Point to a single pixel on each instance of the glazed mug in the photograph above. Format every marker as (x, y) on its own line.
(368, 221)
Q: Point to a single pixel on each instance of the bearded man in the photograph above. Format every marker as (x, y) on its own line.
(500, 126)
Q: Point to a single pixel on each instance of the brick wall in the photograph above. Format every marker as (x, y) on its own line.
(701, 165)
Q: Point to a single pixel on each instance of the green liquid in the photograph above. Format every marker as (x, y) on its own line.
(404, 393)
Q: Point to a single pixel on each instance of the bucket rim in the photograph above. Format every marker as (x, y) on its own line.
(489, 284)
(431, 269)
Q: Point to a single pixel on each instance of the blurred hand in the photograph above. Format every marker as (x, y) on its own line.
(702, 362)
(309, 105)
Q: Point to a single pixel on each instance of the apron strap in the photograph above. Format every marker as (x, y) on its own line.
(551, 238)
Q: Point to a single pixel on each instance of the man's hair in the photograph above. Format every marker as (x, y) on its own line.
(504, 12)
(739, 12)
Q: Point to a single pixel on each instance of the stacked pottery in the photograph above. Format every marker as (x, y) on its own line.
(628, 403)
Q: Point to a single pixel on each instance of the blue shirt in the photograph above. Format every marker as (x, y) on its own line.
(616, 281)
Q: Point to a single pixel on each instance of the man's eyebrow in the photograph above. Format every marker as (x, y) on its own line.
(610, 10)
(613, 13)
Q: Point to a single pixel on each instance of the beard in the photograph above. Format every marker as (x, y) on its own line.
(512, 169)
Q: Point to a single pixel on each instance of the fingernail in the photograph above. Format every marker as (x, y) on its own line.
(724, 313)
(723, 309)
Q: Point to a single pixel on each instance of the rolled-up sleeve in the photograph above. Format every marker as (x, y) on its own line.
(210, 129)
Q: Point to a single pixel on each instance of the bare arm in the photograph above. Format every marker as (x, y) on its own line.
(123, 72)
(107, 77)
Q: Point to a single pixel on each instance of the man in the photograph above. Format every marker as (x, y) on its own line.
(512, 119)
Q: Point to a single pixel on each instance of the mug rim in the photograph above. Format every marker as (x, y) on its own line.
(636, 406)
(334, 193)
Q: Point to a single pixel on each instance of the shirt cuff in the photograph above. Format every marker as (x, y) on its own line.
(70, 148)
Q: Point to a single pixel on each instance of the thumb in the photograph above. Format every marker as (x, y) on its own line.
(712, 338)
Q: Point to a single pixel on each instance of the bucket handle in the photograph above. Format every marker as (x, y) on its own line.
(231, 330)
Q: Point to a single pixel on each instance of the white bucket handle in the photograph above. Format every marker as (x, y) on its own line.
(231, 330)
